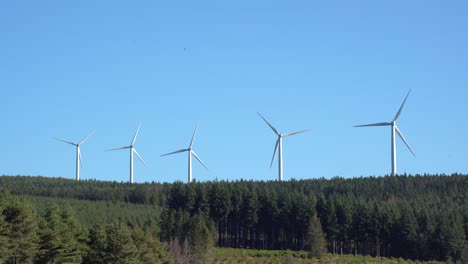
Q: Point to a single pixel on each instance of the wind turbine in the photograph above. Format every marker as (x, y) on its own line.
(394, 128)
(132, 151)
(279, 146)
(190, 153)
(79, 161)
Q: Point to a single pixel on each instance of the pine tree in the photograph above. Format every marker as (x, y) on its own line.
(150, 250)
(425, 234)
(343, 217)
(360, 226)
(451, 238)
(200, 240)
(201, 200)
(50, 245)
(249, 216)
(167, 225)
(72, 238)
(59, 234)
(316, 238)
(220, 204)
(96, 252)
(120, 248)
(4, 241)
(408, 235)
(22, 221)
(111, 243)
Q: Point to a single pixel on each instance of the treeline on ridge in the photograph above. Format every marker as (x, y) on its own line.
(421, 217)
(92, 190)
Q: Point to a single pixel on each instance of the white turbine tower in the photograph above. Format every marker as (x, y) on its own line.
(79, 161)
(394, 128)
(190, 153)
(279, 146)
(132, 150)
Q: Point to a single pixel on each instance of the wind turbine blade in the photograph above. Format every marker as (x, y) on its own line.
(195, 155)
(178, 151)
(81, 160)
(376, 124)
(90, 133)
(294, 133)
(401, 107)
(124, 147)
(136, 134)
(274, 129)
(274, 152)
(139, 157)
(65, 141)
(193, 136)
(402, 138)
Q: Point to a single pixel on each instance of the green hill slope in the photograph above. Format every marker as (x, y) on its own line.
(421, 217)
(89, 213)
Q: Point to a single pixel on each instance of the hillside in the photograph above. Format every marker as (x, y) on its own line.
(89, 213)
(421, 217)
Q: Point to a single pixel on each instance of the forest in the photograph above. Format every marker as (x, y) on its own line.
(417, 217)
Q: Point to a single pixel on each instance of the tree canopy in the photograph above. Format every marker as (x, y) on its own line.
(422, 217)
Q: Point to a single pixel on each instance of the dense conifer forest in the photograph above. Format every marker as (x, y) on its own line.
(421, 217)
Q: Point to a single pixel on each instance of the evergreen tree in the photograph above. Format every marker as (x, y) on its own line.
(200, 240)
(425, 233)
(220, 202)
(234, 219)
(178, 198)
(451, 238)
(360, 227)
(267, 218)
(201, 200)
(59, 233)
(96, 253)
(316, 238)
(120, 248)
(111, 243)
(72, 237)
(220, 206)
(167, 225)
(389, 216)
(4, 241)
(150, 250)
(50, 245)
(374, 228)
(327, 213)
(23, 239)
(249, 216)
(407, 232)
(343, 217)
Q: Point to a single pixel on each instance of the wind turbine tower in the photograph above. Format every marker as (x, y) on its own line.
(79, 161)
(394, 128)
(190, 152)
(279, 146)
(132, 151)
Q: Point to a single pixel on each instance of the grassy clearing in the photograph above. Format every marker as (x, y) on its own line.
(250, 256)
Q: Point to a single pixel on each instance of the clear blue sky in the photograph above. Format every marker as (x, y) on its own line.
(67, 67)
